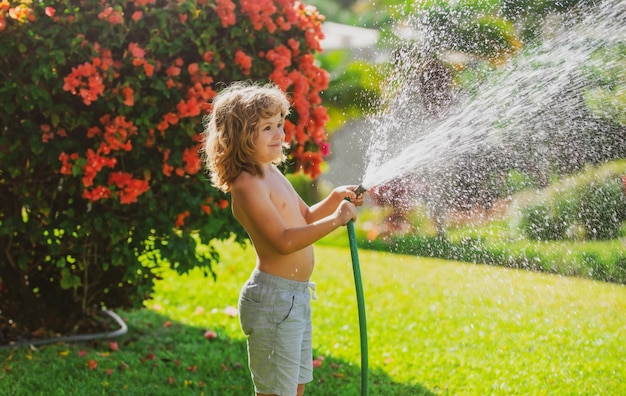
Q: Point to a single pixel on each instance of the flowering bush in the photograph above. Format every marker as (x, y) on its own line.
(100, 175)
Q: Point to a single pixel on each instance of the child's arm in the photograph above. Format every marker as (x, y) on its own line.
(259, 216)
(329, 204)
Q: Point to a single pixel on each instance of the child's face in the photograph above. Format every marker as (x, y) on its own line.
(270, 137)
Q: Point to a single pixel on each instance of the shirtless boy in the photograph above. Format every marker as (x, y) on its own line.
(244, 140)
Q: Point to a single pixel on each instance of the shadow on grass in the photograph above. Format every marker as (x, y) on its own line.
(162, 357)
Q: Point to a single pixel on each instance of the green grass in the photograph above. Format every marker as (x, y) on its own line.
(595, 259)
(434, 327)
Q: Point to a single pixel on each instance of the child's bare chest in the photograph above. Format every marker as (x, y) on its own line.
(286, 201)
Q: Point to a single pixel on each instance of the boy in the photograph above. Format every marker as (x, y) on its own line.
(243, 144)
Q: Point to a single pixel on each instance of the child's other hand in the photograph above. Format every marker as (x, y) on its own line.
(347, 192)
(345, 212)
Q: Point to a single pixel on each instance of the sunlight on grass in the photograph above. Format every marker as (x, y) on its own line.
(449, 327)
(434, 327)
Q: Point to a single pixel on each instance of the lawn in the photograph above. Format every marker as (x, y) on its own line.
(434, 327)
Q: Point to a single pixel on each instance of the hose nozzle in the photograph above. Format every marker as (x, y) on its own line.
(360, 190)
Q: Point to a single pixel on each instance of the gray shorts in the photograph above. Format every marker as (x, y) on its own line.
(275, 316)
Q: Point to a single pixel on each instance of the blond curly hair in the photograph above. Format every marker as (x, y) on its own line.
(231, 129)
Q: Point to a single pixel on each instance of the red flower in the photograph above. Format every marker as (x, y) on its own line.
(151, 138)
(46, 133)
(66, 167)
(191, 159)
(89, 89)
(309, 160)
(92, 364)
(96, 193)
(106, 59)
(226, 12)
(117, 133)
(148, 69)
(111, 15)
(128, 187)
(310, 22)
(324, 148)
(193, 68)
(173, 71)
(189, 108)
(93, 132)
(136, 50)
(167, 168)
(202, 92)
(260, 13)
(206, 209)
(180, 219)
(279, 56)
(168, 119)
(95, 163)
(208, 56)
(133, 189)
(294, 45)
(120, 179)
(129, 98)
(243, 61)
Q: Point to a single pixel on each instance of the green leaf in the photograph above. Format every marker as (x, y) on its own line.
(68, 280)
(61, 262)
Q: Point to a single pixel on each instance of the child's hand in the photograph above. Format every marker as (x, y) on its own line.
(345, 212)
(347, 193)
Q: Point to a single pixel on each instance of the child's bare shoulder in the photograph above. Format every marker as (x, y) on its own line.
(246, 183)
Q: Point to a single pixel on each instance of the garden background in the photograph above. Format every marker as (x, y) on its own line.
(104, 204)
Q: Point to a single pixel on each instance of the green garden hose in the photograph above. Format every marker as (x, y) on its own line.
(360, 305)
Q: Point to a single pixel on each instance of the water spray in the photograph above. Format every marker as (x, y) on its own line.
(359, 297)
